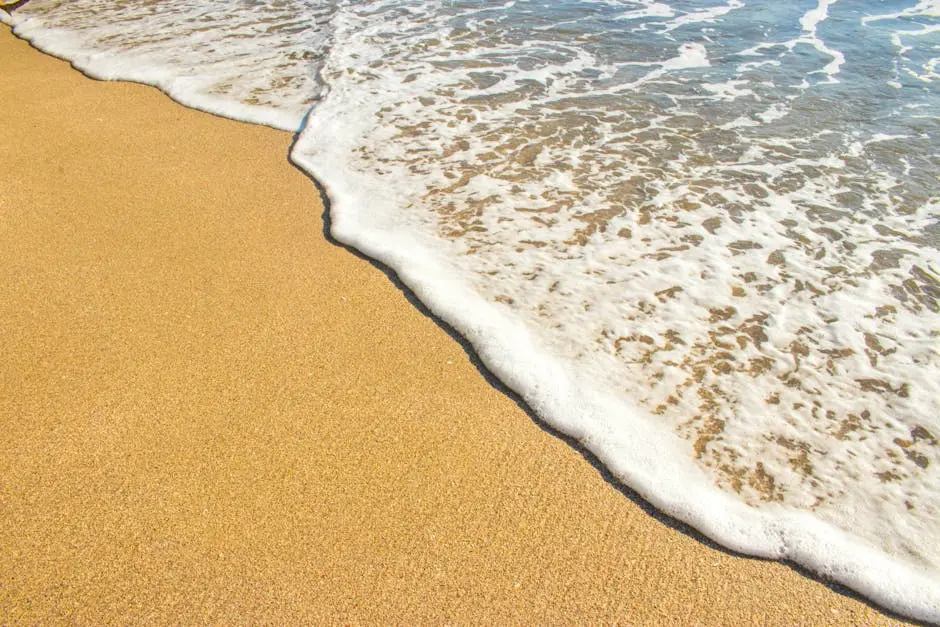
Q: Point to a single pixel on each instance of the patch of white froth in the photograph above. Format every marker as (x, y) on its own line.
(705, 15)
(809, 23)
(728, 91)
(927, 71)
(690, 55)
(633, 284)
(242, 60)
(652, 9)
(929, 8)
(907, 39)
(647, 9)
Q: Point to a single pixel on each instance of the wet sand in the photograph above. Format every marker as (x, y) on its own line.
(209, 412)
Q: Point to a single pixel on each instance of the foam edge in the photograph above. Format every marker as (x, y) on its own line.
(678, 489)
(642, 460)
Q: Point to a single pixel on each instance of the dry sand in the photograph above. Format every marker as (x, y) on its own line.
(208, 412)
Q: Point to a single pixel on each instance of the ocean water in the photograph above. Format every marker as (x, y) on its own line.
(702, 237)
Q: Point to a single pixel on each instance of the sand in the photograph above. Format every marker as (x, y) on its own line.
(209, 412)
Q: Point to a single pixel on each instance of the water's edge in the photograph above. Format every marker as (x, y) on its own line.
(679, 490)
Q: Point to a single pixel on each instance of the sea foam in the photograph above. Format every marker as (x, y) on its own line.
(703, 240)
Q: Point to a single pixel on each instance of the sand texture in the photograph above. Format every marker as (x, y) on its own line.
(209, 412)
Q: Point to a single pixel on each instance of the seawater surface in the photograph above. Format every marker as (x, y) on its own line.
(701, 237)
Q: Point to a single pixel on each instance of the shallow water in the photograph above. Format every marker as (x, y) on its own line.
(700, 237)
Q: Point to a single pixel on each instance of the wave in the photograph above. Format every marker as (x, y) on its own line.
(703, 241)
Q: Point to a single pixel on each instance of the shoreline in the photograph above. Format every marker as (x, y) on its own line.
(216, 414)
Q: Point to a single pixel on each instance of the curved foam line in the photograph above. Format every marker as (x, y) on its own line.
(105, 66)
(638, 457)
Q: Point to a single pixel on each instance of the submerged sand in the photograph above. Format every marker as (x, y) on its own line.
(208, 412)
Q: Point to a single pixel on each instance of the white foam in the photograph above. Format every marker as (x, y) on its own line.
(705, 15)
(922, 11)
(643, 457)
(929, 8)
(652, 9)
(810, 23)
(227, 75)
(369, 176)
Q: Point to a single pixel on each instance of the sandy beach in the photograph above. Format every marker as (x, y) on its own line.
(211, 413)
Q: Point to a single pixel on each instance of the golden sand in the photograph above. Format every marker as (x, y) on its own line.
(208, 412)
